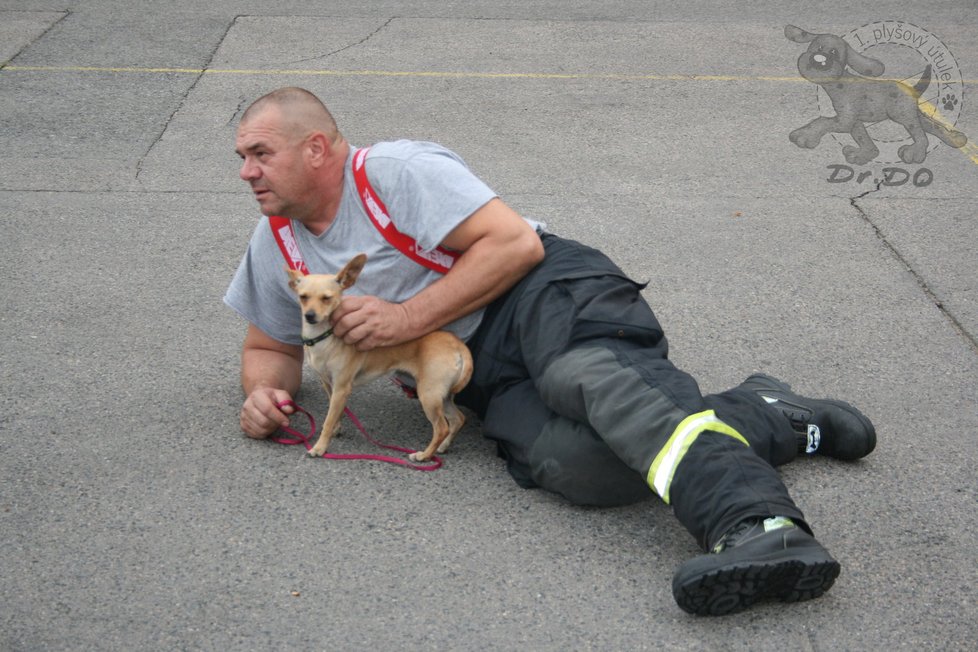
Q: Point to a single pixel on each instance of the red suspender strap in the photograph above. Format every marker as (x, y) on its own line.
(285, 237)
(439, 260)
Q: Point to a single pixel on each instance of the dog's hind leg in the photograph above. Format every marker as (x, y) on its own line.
(433, 402)
(455, 420)
(915, 152)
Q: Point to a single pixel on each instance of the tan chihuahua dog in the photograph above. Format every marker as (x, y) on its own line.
(439, 362)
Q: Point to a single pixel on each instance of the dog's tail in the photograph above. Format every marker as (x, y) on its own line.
(922, 83)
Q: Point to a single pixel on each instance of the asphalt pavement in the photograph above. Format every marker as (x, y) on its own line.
(134, 515)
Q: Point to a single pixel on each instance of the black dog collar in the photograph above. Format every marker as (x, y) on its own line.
(318, 339)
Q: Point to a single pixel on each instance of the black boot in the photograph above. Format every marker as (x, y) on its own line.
(758, 559)
(824, 426)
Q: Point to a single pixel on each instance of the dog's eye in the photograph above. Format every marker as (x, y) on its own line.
(304, 297)
(327, 297)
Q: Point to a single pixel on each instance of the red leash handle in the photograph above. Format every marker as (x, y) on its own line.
(299, 438)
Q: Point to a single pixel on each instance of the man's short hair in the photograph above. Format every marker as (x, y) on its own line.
(302, 112)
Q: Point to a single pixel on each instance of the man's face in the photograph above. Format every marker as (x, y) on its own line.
(273, 165)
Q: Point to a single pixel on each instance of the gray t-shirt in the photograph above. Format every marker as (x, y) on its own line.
(428, 191)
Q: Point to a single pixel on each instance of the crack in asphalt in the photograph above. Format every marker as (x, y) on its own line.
(206, 67)
(351, 45)
(184, 96)
(970, 338)
(64, 15)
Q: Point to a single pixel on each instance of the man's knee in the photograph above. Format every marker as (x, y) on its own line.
(569, 459)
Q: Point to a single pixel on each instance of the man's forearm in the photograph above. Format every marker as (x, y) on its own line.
(271, 369)
(479, 277)
(271, 373)
(266, 362)
(499, 249)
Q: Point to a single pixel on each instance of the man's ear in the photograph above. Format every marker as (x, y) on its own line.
(348, 275)
(294, 277)
(317, 146)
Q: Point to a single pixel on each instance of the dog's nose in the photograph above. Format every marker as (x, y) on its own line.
(311, 317)
(820, 60)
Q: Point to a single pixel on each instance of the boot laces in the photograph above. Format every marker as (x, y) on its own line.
(749, 528)
(734, 534)
(799, 415)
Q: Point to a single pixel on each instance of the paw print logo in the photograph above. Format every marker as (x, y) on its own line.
(949, 101)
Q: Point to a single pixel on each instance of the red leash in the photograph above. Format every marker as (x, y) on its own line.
(299, 438)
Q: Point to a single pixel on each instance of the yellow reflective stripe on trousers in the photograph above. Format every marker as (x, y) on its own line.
(665, 463)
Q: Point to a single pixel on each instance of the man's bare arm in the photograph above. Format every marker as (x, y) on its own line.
(498, 249)
(271, 372)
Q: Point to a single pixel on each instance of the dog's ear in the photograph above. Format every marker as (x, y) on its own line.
(798, 35)
(348, 275)
(862, 64)
(294, 277)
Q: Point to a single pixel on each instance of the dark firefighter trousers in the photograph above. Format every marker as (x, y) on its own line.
(573, 382)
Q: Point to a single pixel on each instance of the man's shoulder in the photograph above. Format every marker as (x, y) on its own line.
(262, 236)
(405, 151)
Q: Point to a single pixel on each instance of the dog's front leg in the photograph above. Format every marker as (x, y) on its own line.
(336, 404)
(867, 149)
(811, 134)
(328, 388)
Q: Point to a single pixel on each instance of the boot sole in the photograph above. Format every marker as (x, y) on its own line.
(794, 574)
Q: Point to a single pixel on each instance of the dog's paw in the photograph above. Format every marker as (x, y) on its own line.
(804, 138)
(858, 155)
(442, 447)
(418, 457)
(949, 101)
(915, 153)
(315, 452)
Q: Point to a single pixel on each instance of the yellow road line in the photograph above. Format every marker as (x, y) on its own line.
(970, 149)
(411, 73)
(395, 73)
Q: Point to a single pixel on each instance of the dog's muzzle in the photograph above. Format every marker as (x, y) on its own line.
(820, 61)
(311, 317)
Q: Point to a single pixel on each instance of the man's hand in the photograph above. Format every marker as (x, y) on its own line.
(368, 322)
(260, 416)
(271, 373)
(498, 248)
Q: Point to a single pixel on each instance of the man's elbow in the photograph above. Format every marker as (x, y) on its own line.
(530, 250)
